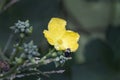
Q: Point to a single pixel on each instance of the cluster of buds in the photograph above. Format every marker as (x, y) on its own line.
(30, 50)
(23, 28)
(61, 59)
(29, 53)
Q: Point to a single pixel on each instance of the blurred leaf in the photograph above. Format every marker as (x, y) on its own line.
(113, 38)
(95, 51)
(2, 3)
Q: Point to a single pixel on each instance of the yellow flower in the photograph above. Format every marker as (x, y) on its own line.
(59, 37)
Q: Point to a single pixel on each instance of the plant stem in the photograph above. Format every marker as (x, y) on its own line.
(46, 56)
(3, 57)
(17, 49)
(41, 61)
(2, 53)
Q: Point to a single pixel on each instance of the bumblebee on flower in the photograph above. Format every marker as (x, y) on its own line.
(59, 37)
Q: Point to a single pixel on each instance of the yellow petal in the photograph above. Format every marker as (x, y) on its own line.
(68, 40)
(57, 24)
(47, 35)
(56, 28)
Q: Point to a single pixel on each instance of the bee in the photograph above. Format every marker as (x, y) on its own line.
(67, 52)
(4, 66)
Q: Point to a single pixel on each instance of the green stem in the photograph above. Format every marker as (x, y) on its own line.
(41, 61)
(46, 56)
(3, 57)
(17, 50)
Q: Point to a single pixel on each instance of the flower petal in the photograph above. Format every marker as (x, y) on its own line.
(48, 36)
(56, 28)
(68, 40)
(57, 24)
